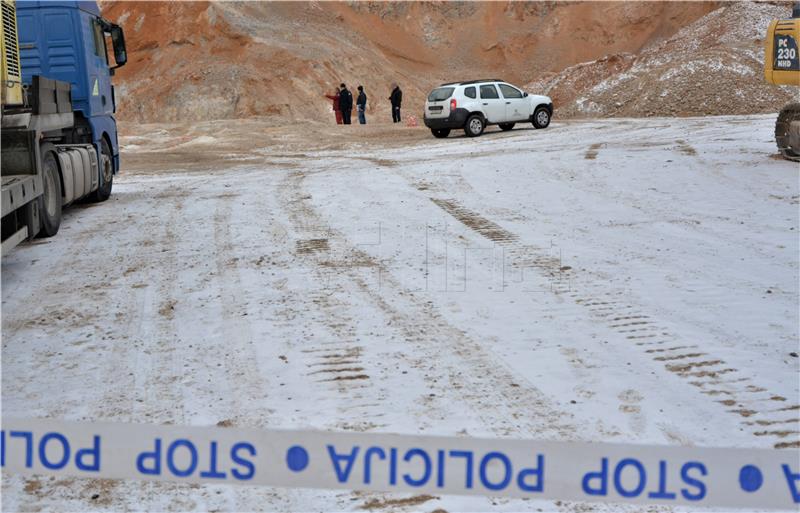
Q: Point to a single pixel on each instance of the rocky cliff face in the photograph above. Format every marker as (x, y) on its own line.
(207, 60)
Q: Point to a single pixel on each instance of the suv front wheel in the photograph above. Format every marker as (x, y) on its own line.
(541, 118)
(440, 133)
(474, 126)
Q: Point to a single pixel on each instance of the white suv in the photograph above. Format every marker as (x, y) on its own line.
(475, 104)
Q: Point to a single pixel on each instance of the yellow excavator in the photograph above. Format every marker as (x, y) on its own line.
(782, 67)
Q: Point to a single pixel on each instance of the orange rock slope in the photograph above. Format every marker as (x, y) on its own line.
(209, 60)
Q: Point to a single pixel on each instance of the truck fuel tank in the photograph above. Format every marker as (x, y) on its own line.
(80, 162)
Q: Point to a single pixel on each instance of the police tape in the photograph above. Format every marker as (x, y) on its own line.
(574, 471)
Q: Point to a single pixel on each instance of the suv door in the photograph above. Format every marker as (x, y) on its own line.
(516, 105)
(494, 107)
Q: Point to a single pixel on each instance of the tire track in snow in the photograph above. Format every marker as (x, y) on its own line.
(144, 334)
(158, 368)
(745, 398)
(704, 370)
(464, 368)
(239, 376)
(124, 393)
(332, 351)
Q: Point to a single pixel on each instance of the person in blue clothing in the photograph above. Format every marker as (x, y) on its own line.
(361, 105)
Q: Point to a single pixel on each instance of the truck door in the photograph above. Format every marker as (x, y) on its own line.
(493, 106)
(516, 104)
(98, 70)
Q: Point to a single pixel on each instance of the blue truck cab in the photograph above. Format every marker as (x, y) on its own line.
(67, 41)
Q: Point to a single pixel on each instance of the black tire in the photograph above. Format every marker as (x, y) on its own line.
(541, 117)
(506, 126)
(106, 169)
(783, 137)
(474, 125)
(440, 133)
(50, 202)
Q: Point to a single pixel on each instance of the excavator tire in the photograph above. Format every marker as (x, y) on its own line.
(788, 143)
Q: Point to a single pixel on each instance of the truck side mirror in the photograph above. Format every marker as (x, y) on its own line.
(118, 40)
(525, 95)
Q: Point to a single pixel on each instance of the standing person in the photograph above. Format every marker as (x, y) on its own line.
(345, 103)
(361, 105)
(336, 111)
(397, 99)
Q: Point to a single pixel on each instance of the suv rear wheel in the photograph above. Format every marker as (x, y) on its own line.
(506, 126)
(440, 133)
(474, 126)
(541, 118)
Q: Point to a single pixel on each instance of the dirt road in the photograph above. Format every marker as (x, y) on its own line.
(626, 280)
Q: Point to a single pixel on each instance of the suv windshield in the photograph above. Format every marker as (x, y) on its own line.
(440, 94)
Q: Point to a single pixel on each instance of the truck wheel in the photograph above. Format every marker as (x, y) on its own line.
(51, 199)
(440, 133)
(106, 165)
(541, 118)
(506, 126)
(474, 126)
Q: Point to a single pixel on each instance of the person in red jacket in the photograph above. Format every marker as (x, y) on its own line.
(335, 99)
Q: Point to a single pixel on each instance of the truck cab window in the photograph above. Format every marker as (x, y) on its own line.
(99, 41)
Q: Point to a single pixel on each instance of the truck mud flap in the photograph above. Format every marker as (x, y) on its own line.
(79, 169)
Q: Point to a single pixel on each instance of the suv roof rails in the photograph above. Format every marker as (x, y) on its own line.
(483, 80)
(473, 81)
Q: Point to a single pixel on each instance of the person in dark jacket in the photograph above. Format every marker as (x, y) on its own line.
(361, 105)
(345, 103)
(397, 99)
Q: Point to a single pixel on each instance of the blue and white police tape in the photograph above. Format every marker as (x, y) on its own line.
(575, 471)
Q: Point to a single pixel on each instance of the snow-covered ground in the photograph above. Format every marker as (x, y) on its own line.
(618, 281)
